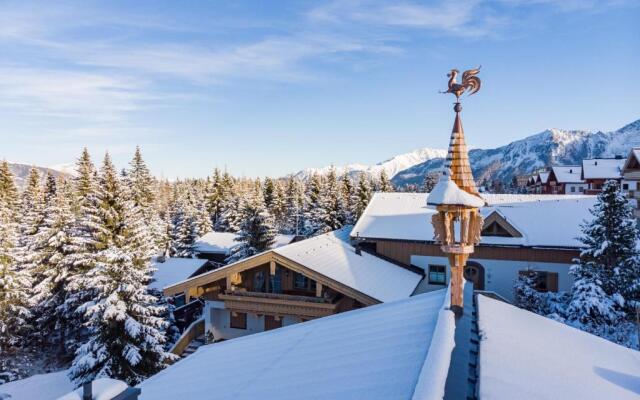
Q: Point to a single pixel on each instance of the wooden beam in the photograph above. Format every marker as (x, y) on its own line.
(318, 289)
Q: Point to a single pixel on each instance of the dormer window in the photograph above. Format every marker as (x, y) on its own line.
(495, 229)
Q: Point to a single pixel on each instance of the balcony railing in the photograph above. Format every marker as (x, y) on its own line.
(278, 304)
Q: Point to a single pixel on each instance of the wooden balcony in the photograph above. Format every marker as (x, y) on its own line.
(278, 304)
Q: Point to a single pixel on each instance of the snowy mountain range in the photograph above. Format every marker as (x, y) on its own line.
(553, 146)
(392, 166)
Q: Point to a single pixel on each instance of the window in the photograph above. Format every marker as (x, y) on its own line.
(238, 320)
(573, 189)
(258, 282)
(437, 275)
(301, 282)
(495, 229)
(625, 186)
(580, 189)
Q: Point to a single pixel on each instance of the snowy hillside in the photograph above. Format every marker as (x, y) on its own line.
(553, 146)
(391, 166)
(21, 171)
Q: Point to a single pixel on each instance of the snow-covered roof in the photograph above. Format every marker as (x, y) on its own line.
(526, 356)
(405, 216)
(568, 173)
(395, 350)
(446, 192)
(543, 176)
(331, 256)
(222, 242)
(602, 168)
(174, 270)
(634, 154)
(38, 387)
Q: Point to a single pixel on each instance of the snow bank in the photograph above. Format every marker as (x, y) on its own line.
(38, 387)
(447, 192)
(433, 376)
(526, 356)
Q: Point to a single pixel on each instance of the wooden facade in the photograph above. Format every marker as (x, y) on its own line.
(275, 286)
(401, 251)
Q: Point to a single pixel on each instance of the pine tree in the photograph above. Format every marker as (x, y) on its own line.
(269, 192)
(430, 181)
(52, 270)
(14, 282)
(608, 266)
(525, 294)
(279, 208)
(363, 195)
(347, 191)
(331, 214)
(126, 339)
(257, 233)
(184, 234)
(80, 251)
(294, 194)
(384, 184)
(315, 212)
(142, 187)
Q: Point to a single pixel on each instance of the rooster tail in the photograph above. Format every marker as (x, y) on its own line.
(472, 84)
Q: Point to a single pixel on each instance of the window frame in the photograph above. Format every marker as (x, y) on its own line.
(233, 320)
(431, 281)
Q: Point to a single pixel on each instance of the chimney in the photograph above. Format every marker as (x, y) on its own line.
(87, 392)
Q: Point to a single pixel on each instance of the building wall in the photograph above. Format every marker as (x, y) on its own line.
(401, 251)
(499, 275)
(218, 320)
(575, 188)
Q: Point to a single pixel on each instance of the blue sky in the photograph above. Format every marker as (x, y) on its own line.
(271, 87)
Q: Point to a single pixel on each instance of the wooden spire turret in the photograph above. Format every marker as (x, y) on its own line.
(457, 223)
(458, 157)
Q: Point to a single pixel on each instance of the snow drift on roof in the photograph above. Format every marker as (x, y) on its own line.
(602, 168)
(526, 356)
(446, 192)
(374, 353)
(404, 216)
(332, 257)
(223, 242)
(174, 270)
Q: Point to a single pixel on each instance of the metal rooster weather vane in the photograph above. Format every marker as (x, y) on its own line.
(470, 82)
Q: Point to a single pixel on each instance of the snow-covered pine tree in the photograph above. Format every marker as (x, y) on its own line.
(295, 206)
(126, 340)
(14, 282)
(347, 191)
(363, 195)
(315, 212)
(384, 184)
(525, 294)
(279, 207)
(333, 214)
(257, 233)
(213, 197)
(143, 187)
(430, 181)
(184, 233)
(52, 270)
(608, 266)
(80, 251)
(269, 192)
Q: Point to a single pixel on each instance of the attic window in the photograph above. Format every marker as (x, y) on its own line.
(495, 229)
